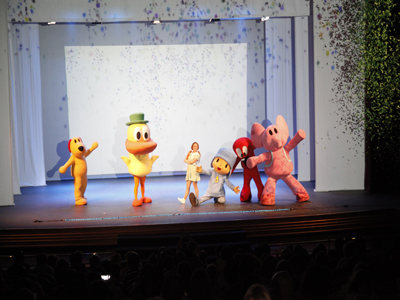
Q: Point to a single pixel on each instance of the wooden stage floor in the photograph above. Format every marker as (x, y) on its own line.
(46, 217)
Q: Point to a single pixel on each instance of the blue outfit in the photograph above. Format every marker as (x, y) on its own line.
(216, 184)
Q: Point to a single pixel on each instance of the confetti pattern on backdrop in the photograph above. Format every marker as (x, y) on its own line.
(327, 15)
(328, 64)
(344, 51)
(127, 10)
(19, 11)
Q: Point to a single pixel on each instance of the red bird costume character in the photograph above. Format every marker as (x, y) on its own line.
(244, 148)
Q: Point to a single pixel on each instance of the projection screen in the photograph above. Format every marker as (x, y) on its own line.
(187, 92)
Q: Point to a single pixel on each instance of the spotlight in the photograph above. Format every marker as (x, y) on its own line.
(263, 19)
(157, 21)
(214, 20)
(51, 23)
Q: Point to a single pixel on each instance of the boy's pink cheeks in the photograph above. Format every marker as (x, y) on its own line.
(217, 169)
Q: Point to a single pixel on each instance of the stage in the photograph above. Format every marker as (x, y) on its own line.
(47, 218)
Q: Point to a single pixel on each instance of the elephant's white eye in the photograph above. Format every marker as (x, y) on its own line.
(239, 152)
(146, 133)
(245, 151)
(137, 134)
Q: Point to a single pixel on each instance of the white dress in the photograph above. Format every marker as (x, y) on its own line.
(191, 173)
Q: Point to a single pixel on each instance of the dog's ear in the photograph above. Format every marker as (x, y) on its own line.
(69, 145)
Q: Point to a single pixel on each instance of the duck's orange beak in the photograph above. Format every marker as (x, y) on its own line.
(140, 148)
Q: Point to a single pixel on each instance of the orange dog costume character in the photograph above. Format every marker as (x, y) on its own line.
(77, 161)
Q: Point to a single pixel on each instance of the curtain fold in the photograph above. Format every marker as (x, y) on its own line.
(304, 152)
(287, 77)
(15, 170)
(6, 191)
(279, 74)
(27, 106)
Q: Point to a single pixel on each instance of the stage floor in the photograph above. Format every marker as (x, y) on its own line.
(48, 216)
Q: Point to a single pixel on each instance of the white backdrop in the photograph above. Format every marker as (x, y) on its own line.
(187, 92)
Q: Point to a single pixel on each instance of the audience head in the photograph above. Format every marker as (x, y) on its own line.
(173, 288)
(282, 286)
(316, 282)
(257, 291)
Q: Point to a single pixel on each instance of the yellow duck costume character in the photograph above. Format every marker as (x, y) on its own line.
(77, 161)
(139, 145)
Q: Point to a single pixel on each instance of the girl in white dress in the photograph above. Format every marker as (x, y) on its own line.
(192, 158)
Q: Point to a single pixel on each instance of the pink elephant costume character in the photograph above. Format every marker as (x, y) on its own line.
(278, 164)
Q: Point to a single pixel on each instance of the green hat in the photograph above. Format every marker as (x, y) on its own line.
(137, 119)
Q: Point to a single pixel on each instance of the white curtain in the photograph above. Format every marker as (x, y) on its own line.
(305, 152)
(279, 73)
(6, 192)
(28, 168)
(287, 74)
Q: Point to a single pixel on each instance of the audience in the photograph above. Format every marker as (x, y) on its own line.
(349, 271)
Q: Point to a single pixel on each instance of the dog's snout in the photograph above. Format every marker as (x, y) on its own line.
(80, 148)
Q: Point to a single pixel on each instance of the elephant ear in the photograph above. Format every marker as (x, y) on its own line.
(257, 131)
(282, 125)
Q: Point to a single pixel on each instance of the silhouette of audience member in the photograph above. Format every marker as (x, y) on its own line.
(19, 268)
(52, 261)
(41, 265)
(94, 263)
(316, 283)
(268, 266)
(76, 261)
(257, 292)
(200, 287)
(282, 286)
(349, 271)
(173, 288)
(24, 294)
(99, 290)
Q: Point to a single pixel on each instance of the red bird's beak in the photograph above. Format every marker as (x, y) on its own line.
(140, 148)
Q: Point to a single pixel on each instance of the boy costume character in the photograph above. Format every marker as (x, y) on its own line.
(222, 165)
